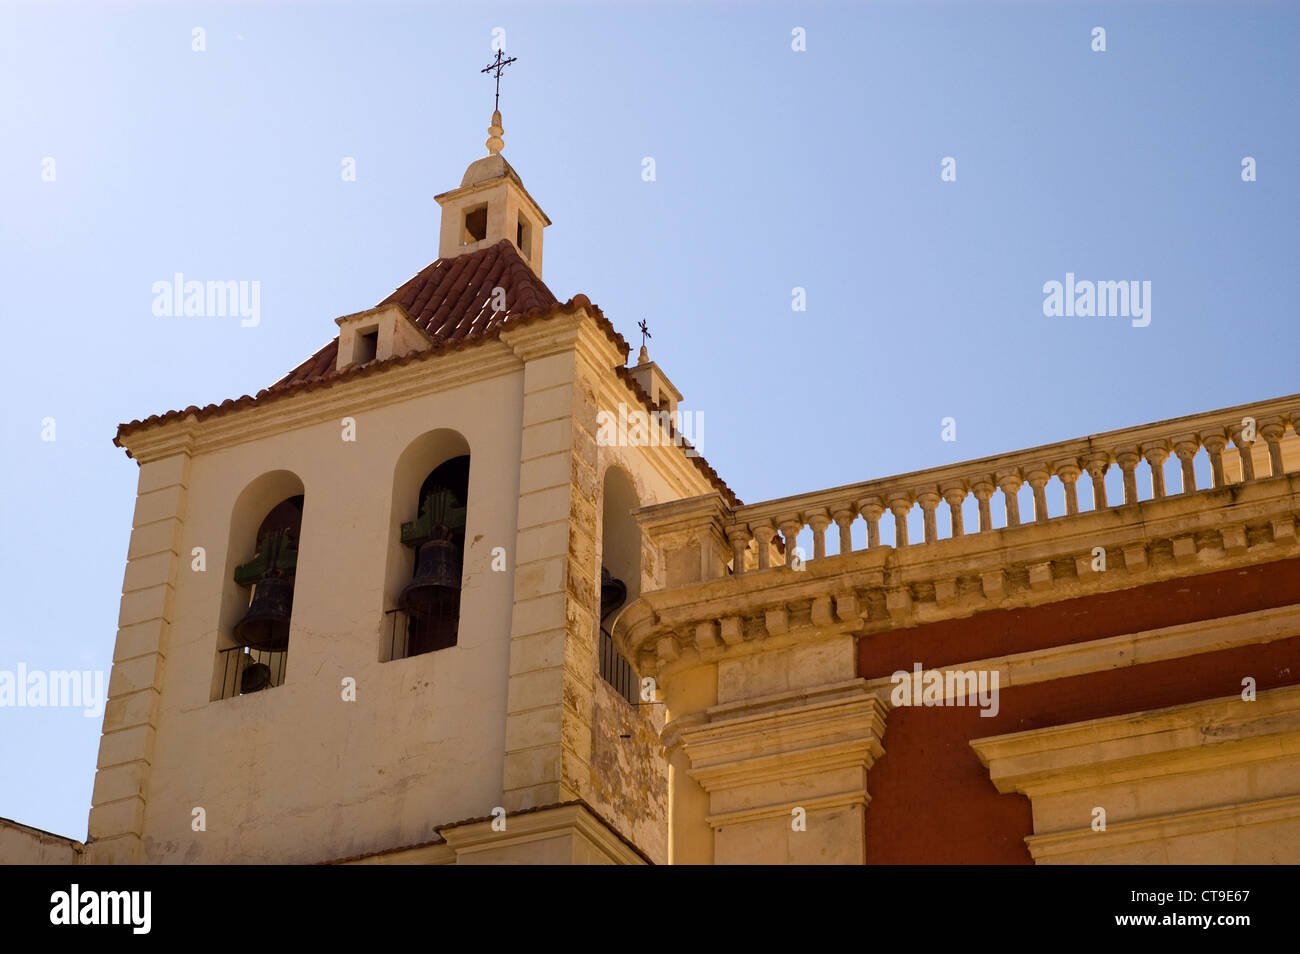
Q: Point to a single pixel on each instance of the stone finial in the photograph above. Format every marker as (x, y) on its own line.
(494, 141)
(643, 357)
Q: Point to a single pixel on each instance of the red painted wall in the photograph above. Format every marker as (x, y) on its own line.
(932, 801)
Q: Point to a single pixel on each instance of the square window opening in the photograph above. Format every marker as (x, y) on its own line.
(475, 225)
(522, 237)
(367, 346)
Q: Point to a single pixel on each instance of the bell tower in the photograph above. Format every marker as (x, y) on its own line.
(491, 204)
(367, 612)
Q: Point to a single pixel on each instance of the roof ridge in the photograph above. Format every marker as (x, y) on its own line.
(454, 300)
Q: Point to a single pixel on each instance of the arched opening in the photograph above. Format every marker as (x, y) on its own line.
(426, 562)
(620, 575)
(257, 605)
(431, 601)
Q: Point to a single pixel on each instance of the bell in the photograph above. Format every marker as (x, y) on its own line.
(432, 598)
(436, 580)
(266, 624)
(255, 678)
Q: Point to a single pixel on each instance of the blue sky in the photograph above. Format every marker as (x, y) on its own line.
(774, 169)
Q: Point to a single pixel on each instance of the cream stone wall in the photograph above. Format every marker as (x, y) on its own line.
(629, 778)
(515, 715)
(295, 773)
(24, 845)
(564, 727)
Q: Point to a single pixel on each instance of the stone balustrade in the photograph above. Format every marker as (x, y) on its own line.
(752, 530)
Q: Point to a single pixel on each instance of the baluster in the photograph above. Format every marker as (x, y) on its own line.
(1186, 446)
(1097, 465)
(844, 520)
(1156, 453)
(955, 494)
(1009, 483)
(871, 510)
(1128, 461)
(983, 491)
(819, 521)
(900, 506)
(739, 537)
(1273, 429)
(790, 525)
(1214, 443)
(1038, 478)
(1067, 472)
(928, 500)
(763, 533)
(1243, 452)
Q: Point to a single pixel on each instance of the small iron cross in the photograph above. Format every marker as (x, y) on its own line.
(498, 65)
(645, 332)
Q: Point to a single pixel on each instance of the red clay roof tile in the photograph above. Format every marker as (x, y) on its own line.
(451, 299)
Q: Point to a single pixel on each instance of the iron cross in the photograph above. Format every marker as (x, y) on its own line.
(645, 332)
(498, 65)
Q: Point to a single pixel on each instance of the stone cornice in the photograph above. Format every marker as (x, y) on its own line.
(1075, 847)
(557, 335)
(786, 736)
(343, 398)
(598, 357)
(817, 803)
(491, 185)
(1177, 739)
(669, 462)
(886, 588)
(1119, 652)
(540, 825)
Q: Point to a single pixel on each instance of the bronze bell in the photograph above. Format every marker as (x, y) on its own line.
(431, 600)
(266, 624)
(255, 678)
(435, 587)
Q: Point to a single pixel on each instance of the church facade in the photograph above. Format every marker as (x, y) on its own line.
(458, 589)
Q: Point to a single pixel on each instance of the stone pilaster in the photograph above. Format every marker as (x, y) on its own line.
(784, 776)
(552, 630)
(139, 656)
(692, 540)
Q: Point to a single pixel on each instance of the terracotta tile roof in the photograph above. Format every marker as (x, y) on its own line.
(451, 300)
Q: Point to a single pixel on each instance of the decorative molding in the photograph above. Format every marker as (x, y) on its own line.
(486, 361)
(810, 805)
(1133, 649)
(949, 579)
(1202, 769)
(1059, 847)
(783, 736)
(571, 820)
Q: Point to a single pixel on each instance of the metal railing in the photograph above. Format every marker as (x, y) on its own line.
(617, 671)
(399, 634)
(244, 670)
(411, 636)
